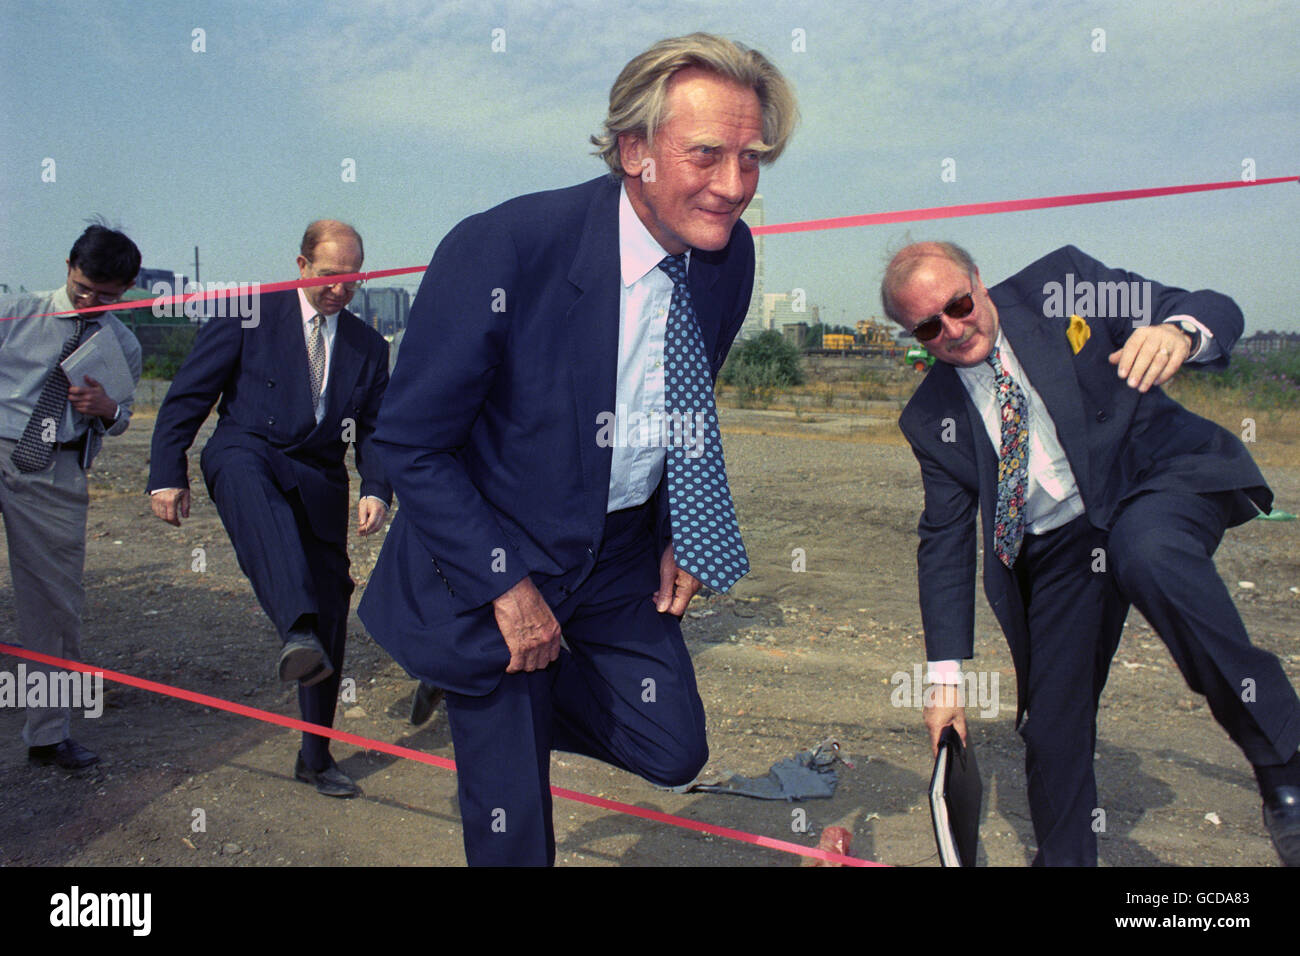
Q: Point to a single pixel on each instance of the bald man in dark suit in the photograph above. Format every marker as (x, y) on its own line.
(296, 389)
(1096, 491)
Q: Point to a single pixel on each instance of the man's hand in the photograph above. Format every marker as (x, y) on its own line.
(171, 504)
(370, 515)
(1152, 355)
(92, 400)
(676, 587)
(941, 709)
(530, 629)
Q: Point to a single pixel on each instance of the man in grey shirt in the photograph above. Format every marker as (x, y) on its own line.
(50, 432)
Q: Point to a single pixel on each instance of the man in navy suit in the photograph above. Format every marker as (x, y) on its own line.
(1096, 491)
(297, 386)
(533, 435)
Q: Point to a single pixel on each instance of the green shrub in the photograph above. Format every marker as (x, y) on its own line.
(1268, 381)
(173, 345)
(765, 361)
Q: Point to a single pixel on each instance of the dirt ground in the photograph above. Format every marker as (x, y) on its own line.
(791, 658)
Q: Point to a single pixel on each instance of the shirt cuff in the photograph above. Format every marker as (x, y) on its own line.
(943, 672)
(154, 491)
(1209, 349)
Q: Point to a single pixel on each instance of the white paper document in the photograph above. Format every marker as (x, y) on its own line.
(101, 357)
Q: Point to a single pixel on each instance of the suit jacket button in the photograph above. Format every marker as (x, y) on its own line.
(270, 383)
(1102, 416)
(270, 420)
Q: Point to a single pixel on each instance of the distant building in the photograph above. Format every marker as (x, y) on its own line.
(1269, 342)
(781, 309)
(754, 318)
(174, 280)
(384, 309)
(796, 333)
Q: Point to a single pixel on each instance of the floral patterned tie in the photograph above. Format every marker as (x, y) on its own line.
(1013, 464)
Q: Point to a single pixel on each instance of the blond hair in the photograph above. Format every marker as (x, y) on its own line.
(638, 98)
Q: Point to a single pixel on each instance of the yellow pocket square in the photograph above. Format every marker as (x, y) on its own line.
(1077, 333)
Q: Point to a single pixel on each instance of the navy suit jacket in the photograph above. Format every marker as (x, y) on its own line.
(489, 428)
(1119, 443)
(260, 375)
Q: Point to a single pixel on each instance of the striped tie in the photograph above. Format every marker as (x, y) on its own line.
(36, 446)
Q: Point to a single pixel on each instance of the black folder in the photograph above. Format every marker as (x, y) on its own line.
(955, 797)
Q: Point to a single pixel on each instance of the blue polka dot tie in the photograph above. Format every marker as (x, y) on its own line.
(706, 537)
(1013, 464)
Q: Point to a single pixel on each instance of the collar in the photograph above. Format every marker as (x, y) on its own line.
(61, 303)
(639, 252)
(983, 372)
(308, 311)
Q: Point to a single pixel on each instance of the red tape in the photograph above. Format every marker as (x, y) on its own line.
(1014, 205)
(242, 288)
(810, 225)
(419, 756)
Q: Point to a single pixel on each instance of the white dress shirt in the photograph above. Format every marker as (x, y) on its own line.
(1052, 498)
(330, 328)
(309, 312)
(645, 294)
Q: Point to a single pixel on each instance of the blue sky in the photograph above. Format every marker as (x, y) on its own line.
(235, 149)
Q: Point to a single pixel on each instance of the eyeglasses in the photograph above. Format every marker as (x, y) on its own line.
(346, 286)
(80, 292)
(958, 308)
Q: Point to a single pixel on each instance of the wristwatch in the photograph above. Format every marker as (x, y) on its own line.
(1192, 332)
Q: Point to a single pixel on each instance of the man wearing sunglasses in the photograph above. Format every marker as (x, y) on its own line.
(296, 388)
(50, 431)
(1096, 492)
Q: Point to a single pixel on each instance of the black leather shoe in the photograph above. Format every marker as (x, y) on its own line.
(67, 754)
(1282, 817)
(331, 781)
(303, 660)
(424, 701)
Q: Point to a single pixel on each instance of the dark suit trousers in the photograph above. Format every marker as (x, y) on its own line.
(293, 572)
(1075, 616)
(623, 691)
(1162, 545)
(1159, 557)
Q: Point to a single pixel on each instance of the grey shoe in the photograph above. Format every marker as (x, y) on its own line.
(303, 660)
(332, 782)
(423, 702)
(67, 754)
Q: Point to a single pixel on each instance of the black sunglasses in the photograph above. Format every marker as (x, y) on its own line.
(958, 308)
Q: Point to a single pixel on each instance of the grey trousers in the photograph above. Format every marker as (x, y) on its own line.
(45, 526)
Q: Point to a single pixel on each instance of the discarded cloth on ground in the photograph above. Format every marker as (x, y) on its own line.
(806, 775)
